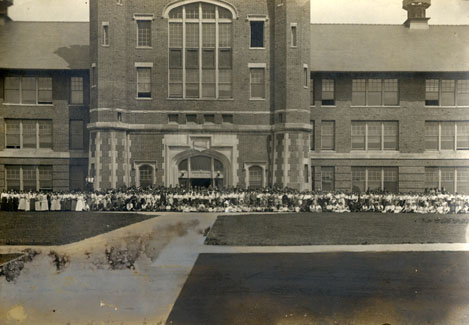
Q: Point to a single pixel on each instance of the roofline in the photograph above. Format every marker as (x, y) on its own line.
(370, 24)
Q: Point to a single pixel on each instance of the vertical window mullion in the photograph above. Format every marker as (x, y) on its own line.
(366, 99)
(366, 179)
(21, 134)
(37, 90)
(382, 97)
(37, 134)
(455, 95)
(366, 136)
(455, 136)
(439, 136)
(200, 50)
(21, 178)
(382, 136)
(455, 180)
(183, 52)
(38, 186)
(21, 90)
(217, 45)
(439, 178)
(382, 179)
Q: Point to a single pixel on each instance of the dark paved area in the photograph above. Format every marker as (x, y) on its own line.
(326, 288)
(8, 257)
(337, 229)
(59, 228)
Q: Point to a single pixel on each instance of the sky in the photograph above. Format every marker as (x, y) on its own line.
(322, 11)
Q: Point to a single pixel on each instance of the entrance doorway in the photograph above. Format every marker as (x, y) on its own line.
(201, 171)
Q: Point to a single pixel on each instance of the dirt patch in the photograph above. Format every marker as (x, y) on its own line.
(59, 261)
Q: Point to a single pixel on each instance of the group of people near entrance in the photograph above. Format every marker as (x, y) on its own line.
(234, 200)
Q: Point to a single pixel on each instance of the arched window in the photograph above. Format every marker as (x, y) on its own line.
(255, 177)
(146, 176)
(200, 51)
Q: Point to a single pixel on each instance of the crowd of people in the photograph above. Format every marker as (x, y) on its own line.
(234, 200)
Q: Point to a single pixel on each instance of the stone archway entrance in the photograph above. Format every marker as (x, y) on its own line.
(201, 171)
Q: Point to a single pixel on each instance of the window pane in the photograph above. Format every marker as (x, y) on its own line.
(175, 35)
(311, 87)
(432, 90)
(358, 135)
(144, 33)
(29, 178)
(208, 83)
(463, 135)
(208, 35)
(29, 134)
(176, 13)
(144, 82)
(447, 135)
(447, 179)
(359, 92)
(447, 92)
(358, 179)
(328, 135)
(463, 93)
(192, 35)
(146, 176)
(12, 129)
(257, 83)
(224, 35)
(45, 134)
(12, 90)
(45, 90)
(257, 34)
(374, 92)
(374, 135)
(327, 175)
(192, 59)
(463, 180)
(192, 11)
(391, 179)
(13, 177)
(208, 11)
(224, 13)
(224, 59)
(175, 58)
(76, 90)
(327, 89)
(391, 92)
(391, 135)
(255, 177)
(45, 178)
(293, 36)
(208, 59)
(431, 135)
(201, 163)
(431, 178)
(374, 179)
(28, 90)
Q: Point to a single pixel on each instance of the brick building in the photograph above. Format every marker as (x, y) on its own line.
(243, 93)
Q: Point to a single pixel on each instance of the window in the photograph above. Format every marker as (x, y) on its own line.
(375, 92)
(28, 134)
(209, 118)
(105, 34)
(311, 89)
(28, 178)
(173, 118)
(371, 135)
(227, 118)
(76, 86)
(200, 58)
(306, 173)
(305, 77)
(146, 176)
(375, 179)
(93, 75)
(328, 178)
(313, 138)
(450, 179)
(255, 177)
(293, 35)
(257, 83)
(446, 92)
(143, 82)
(191, 118)
(328, 92)
(144, 31)
(446, 135)
(76, 134)
(28, 90)
(328, 135)
(257, 34)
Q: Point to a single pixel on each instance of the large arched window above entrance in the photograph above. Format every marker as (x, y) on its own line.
(201, 171)
(145, 176)
(200, 50)
(255, 177)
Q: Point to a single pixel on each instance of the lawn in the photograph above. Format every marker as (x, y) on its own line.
(337, 229)
(59, 228)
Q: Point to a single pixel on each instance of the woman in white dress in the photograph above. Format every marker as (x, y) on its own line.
(22, 202)
(80, 203)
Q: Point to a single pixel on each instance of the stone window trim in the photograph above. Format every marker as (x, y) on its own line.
(105, 36)
(252, 67)
(141, 18)
(222, 4)
(262, 165)
(140, 163)
(257, 18)
(140, 66)
(93, 75)
(306, 76)
(294, 35)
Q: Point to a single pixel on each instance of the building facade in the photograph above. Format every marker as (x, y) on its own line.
(241, 93)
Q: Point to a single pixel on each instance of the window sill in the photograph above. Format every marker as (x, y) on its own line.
(257, 99)
(144, 98)
(257, 48)
(451, 107)
(200, 99)
(144, 47)
(105, 45)
(16, 104)
(375, 106)
(328, 106)
(368, 151)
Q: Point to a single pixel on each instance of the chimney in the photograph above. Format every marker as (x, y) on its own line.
(416, 13)
(4, 4)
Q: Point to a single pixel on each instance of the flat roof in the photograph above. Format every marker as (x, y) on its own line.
(44, 45)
